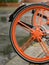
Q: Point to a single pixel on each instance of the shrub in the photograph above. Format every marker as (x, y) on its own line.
(9, 0)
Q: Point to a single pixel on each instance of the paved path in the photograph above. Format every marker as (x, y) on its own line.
(17, 60)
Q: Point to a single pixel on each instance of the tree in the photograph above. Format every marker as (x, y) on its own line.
(9, 0)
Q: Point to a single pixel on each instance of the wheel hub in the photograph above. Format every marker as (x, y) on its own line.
(37, 33)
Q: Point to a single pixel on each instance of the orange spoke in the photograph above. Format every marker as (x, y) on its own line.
(43, 23)
(40, 18)
(44, 47)
(25, 26)
(48, 18)
(34, 18)
(46, 32)
(27, 44)
(25, 29)
(47, 22)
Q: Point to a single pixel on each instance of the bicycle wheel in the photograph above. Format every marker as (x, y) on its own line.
(24, 35)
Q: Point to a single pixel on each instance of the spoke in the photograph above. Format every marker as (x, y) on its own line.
(31, 26)
(25, 29)
(40, 17)
(43, 16)
(27, 44)
(26, 26)
(40, 20)
(46, 32)
(35, 17)
(43, 23)
(47, 22)
(44, 47)
(48, 18)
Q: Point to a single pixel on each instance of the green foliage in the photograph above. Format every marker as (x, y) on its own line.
(9, 0)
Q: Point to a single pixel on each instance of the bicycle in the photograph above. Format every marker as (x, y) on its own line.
(35, 30)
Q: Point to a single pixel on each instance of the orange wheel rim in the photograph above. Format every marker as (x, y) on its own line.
(15, 23)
